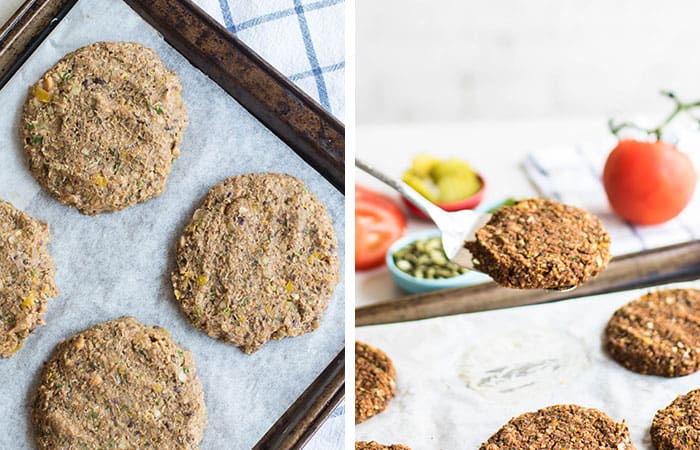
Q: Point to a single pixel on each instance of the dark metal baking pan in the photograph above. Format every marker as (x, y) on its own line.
(675, 263)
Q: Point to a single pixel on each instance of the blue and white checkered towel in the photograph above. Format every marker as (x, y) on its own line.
(303, 39)
(573, 175)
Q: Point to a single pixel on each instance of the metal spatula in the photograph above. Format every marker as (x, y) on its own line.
(455, 227)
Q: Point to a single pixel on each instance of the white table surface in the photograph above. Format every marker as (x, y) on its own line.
(493, 148)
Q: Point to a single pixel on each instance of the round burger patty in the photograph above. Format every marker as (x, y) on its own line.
(119, 384)
(375, 381)
(568, 427)
(258, 261)
(657, 334)
(26, 276)
(677, 427)
(540, 243)
(101, 128)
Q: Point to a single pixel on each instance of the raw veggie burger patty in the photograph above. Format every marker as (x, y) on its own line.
(257, 262)
(657, 334)
(677, 427)
(375, 381)
(569, 427)
(119, 384)
(102, 127)
(26, 276)
(361, 445)
(540, 243)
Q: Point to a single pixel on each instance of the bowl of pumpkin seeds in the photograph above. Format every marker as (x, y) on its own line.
(417, 263)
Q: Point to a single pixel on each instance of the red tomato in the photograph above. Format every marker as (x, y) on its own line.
(648, 182)
(378, 223)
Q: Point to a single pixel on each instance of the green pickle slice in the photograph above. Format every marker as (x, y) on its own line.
(424, 186)
(443, 181)
(454, 188)
(423, 164)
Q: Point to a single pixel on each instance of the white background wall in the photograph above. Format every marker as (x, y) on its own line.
(447, 60)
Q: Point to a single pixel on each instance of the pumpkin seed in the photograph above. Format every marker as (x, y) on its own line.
(425, 259)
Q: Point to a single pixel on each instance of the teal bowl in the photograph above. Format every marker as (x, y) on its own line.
(415, 285)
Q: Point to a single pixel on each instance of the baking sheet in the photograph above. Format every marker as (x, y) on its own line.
(118, 264)
(461, 378)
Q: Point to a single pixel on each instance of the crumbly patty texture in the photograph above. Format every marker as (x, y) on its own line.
(362, 445)
(376, 358)
(561, 427)
(257, 262)
(375, 382)
(119, 384)
(657, 334)
(101, 128)
(26, 276)
(540, 243)
(677, 427)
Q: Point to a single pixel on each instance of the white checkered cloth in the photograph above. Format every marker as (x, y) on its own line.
(305, 40)
(573, 175)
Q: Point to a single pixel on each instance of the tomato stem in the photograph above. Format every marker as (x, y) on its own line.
(680, 107)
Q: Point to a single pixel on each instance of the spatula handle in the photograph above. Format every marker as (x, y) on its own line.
(407, 191)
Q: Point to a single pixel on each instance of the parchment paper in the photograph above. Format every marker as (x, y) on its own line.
(119, 264)
(461, 378)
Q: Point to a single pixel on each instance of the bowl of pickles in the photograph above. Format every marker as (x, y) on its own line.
(417, 263)
(450, 183)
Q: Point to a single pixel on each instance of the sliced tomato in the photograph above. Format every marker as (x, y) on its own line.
(378, 223)
(363, 192)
